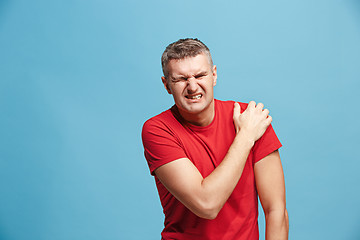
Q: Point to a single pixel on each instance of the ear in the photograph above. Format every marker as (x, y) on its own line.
(214, 73)
(166, 84)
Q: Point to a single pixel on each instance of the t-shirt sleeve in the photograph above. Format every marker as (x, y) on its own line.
(161, 145)
(267, 144)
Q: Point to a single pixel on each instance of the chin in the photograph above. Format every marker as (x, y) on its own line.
(194, 109)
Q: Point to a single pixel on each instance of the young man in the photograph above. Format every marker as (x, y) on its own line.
(212, 158)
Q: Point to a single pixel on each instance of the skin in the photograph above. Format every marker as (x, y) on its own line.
(205, 197)
(270, 184)
(190, 77)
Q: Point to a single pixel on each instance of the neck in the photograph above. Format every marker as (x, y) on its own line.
(201, 119)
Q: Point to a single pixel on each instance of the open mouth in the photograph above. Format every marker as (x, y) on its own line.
(197, 96)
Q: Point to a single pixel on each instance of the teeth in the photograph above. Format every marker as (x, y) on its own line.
(195, 97)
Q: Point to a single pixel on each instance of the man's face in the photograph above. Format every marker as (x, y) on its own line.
(191, 81)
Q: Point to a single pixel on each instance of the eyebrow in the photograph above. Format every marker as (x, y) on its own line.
(201, 73)
(186, 77)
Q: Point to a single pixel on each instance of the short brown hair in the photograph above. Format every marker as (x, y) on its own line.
(183, 48)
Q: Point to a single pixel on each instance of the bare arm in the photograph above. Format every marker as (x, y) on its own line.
(206, 196)
(270, 184)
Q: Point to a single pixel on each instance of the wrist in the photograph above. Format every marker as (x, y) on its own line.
(244, 138)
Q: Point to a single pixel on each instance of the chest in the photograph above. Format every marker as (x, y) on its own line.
(207, 148)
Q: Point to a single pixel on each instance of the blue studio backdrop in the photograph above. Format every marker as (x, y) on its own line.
(79, 78)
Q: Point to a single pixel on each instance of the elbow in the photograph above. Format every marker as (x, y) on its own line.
(208, 211)
(210, 215)
(279, 214)
(205, 205)
(287, 218)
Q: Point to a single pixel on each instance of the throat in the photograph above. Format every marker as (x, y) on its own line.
(201, 119)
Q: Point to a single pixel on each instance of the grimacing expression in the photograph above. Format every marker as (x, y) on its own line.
(191, 81)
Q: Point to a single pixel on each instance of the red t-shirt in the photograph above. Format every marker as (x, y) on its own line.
(167, 137)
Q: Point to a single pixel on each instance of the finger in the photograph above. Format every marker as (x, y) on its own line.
(252, 104)
(260, 106)
(236, 110)
(268, 120)
(266, 111)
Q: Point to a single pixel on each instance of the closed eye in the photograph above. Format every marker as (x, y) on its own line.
(179, 79)
(200, 75)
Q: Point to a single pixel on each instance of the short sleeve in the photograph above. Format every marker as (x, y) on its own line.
(267, 144)
(161, 145)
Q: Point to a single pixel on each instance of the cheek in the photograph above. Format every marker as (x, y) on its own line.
(208, 87)
(178, 89)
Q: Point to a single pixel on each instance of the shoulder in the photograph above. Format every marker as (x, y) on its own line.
(158, 121)
(229, 104)
(163, 124)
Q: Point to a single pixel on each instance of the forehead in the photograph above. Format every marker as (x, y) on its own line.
(189, 65)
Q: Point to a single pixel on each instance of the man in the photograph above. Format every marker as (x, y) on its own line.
(212, 158)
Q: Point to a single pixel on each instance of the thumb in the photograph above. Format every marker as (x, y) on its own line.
(237, 110)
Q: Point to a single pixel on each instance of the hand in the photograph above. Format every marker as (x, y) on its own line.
(253, 121)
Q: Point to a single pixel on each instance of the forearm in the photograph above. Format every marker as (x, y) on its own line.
(218, 186)
(206, 196)
(277, 225)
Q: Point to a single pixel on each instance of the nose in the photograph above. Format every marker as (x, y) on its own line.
(192, 85)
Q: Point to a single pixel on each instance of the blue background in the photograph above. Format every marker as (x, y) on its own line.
(79, 78)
